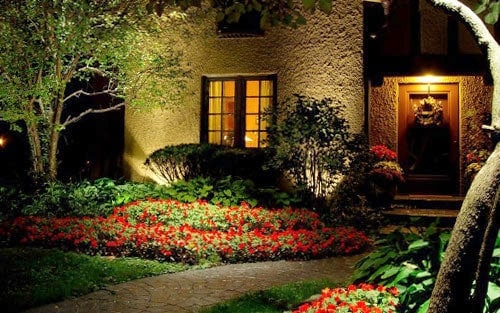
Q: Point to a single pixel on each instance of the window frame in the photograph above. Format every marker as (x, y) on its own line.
(239, 107)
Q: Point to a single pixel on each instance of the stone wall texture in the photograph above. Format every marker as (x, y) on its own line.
(474, 101)
(323, 58)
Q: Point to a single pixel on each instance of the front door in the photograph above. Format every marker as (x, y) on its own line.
(428, 138)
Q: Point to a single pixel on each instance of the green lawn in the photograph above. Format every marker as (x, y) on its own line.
(274, 300)
(33, 276)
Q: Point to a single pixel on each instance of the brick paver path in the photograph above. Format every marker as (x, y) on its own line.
(192, 290)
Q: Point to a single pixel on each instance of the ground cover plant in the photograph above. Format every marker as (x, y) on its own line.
(409, 259)
(169, 230)
(99, 197)
(35, 276)
(365, 298)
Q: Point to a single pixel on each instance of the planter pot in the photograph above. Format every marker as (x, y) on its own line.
(381, 195)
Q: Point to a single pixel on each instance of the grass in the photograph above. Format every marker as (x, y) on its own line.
(274, 300)
(33, 276)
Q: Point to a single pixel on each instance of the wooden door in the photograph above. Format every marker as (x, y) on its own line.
(428, 131)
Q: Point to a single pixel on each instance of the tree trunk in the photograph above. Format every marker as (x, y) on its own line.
(472, 230)
(454, 282)
(35, 150)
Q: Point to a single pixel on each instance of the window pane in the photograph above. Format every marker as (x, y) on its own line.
(214, 105)
(252, 122)
(263, 139)
(266, 88)
(214, 137)
(252, 88)
(215, 89)
(252, 105)
(265, 104)
(251, 139)
(228, 138)
(228, 105)
(228, 121)
(214, 122)
(229, 88)
(263, 122)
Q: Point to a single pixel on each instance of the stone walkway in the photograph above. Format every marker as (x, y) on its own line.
(192, 290)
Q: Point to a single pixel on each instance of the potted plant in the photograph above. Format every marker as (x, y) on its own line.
(383, 176)
(475, 160)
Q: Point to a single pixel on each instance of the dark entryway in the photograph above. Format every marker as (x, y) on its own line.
(428, 138)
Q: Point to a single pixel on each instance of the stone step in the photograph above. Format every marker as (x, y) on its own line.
(426, 208)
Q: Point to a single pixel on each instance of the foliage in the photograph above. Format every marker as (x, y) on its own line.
(73, 49)
(172, 231)
(180, 162)
(409, 259)
(311, 144)
(274, 300)
(76, 199)
(39, 276)
(492, 9)
(187, 161)
(386, 169)
(475, 160)
(99, 197)
(364, 298)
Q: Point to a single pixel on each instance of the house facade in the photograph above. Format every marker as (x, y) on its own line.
(376, 65)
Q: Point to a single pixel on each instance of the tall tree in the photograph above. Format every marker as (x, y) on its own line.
(47, 47)
(471, 245)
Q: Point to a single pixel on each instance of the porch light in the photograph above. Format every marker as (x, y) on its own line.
(429, 79)
(3, 142)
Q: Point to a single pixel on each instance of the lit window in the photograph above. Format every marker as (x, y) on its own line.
(234, 110)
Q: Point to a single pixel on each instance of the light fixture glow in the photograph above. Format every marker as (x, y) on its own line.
(3, 142)
(429, 79)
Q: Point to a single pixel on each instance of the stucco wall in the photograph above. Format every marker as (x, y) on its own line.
(321, 59)
(474, 101)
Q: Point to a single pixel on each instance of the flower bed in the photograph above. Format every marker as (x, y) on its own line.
(170, 230)
(363, 298)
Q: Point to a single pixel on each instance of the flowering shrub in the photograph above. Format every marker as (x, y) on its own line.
(386, 170)
(362, 298)
(475, 160)
(382, 153)
(190, 232)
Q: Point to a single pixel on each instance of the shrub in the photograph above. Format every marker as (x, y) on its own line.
(181, 162)
(188, 161)
(312, 144)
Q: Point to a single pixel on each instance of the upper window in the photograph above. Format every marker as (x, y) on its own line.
(234, 110)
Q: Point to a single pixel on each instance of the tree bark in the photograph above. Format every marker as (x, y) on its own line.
(455, 278)
(473, 231)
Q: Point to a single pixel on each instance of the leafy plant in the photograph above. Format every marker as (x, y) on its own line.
(364, 297)
(169, 230)
(311, 143)
(409, 259)
(188, 161)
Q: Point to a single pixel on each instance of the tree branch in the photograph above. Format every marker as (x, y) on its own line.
(71, 120)
(78, 93)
